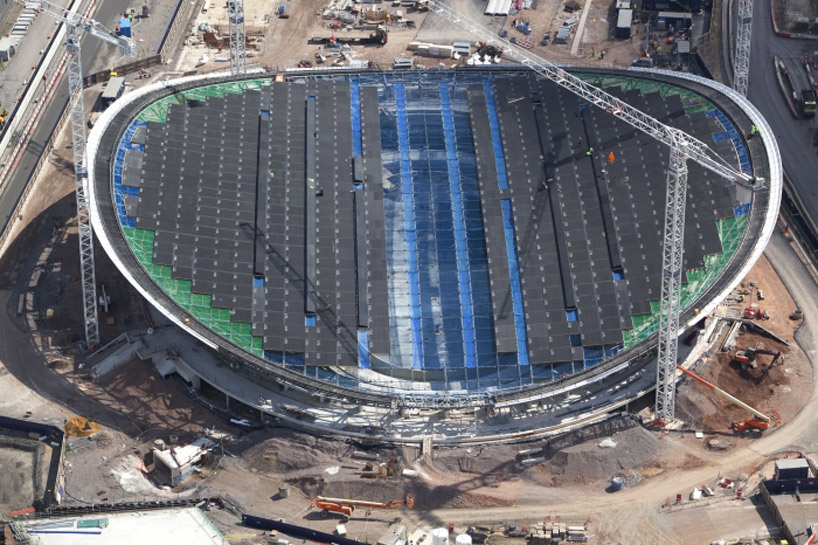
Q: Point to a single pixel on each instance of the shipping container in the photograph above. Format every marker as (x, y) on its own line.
(125, 27)
(623, 24)
(791, 469)
(113, 90)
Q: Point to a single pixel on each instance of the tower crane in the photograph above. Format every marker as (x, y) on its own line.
(682, 147)
(76, 25)
(741, 61)
(238, 38)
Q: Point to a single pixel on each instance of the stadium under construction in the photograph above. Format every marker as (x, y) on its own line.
(475, 238)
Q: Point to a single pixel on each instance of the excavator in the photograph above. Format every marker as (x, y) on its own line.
(748, 357)
(757, 423)
(345, 507)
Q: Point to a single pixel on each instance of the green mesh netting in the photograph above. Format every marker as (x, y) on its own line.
(731, 230)
(218, 319)
(692, 102)
(181, 291)
(158, 111)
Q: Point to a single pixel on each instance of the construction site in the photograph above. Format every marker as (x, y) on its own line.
(373, 273)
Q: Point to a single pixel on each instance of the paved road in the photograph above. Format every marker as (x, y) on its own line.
(794, 136)
(92, 50)
(799, 433)
(18, 69)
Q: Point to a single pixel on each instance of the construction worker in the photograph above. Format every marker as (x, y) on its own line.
(611, 157)
(579, 141)
(754, 130)
(590, 152)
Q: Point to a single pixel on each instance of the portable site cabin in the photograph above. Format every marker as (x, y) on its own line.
(8, 48)
(113, 90)
(623, 24)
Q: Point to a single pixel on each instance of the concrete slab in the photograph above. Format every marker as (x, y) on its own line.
(166, 527)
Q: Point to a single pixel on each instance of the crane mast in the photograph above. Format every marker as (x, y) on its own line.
(742, 56)
(682, 147)
(238, 38)
(76, 26)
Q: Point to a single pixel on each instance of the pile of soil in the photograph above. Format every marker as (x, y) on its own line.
(483, 460)
(290, 451)
(588, 461)
(761, 388)
(78, 426)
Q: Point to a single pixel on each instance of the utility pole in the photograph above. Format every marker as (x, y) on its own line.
(238, 38)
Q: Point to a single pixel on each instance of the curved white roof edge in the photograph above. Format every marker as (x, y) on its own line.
(96, 220)
(775, 182)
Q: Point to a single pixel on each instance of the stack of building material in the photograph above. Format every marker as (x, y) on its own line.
(11, 43)
(432, 50)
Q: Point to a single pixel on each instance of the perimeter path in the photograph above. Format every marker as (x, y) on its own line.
(800, 433)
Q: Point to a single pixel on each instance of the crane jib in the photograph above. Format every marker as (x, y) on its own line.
(692, 148)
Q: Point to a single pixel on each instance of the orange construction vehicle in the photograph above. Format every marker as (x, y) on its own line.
(756, 313)
(748, 357)
(759, 422)
(345, 507)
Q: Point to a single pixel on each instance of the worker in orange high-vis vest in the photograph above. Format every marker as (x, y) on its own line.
(611, 157)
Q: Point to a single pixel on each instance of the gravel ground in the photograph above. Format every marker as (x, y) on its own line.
(17, 469)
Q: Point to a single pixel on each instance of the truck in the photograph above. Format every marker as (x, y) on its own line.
(113, 90)
(756, 423)
(379, 37)
(796, 83)
(808, 102)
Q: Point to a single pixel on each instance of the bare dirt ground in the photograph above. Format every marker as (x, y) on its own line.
(17, 477)
(710, 47)
(779, 389)
(284, 42)
(461, 486)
